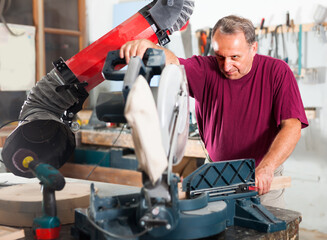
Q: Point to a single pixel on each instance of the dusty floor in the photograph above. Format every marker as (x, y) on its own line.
(311, 235)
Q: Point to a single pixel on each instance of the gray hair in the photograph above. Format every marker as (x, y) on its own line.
(234, 24)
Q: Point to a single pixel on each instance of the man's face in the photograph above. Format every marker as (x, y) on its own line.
(233, 53)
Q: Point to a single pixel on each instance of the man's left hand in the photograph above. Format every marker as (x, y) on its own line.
(263, 178)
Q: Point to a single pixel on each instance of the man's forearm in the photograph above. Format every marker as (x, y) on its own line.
(279, 151)
(170, 56)
(284, 144)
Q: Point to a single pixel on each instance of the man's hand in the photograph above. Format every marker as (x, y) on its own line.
(139, 47)
(135, 48)
(263, 178)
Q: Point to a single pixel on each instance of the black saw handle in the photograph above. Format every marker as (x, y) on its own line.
(153, 59)
(112, 61)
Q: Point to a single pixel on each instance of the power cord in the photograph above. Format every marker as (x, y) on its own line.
(93, 223)
(2, 18)
(204, 150)
(17, 120)
(113, 234)
(104, 157)
(196, 133)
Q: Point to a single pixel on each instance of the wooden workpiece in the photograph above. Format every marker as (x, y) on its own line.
(9, 233)
(20, 204)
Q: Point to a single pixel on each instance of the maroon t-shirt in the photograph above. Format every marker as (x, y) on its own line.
(240, 118)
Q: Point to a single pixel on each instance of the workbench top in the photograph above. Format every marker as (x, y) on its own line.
(292, 218)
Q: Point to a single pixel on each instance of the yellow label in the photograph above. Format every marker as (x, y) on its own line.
(27, 161)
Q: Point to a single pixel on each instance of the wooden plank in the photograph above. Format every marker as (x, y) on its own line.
(305, 28)
(108, 137)
(82, 24)
(195, 148)
(62, 31)
(8, 233)
(281, 182)
(38, 17)
(102, 174)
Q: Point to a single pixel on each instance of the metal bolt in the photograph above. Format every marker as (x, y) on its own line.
(155, 211)
(71, 115)
(75, 126)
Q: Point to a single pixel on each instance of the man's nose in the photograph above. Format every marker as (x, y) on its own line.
(227, 65)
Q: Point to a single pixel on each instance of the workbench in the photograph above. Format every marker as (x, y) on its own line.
(194, 150)
(292, 218)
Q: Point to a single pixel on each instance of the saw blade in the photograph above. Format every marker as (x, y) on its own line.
(173, 111)
(172, 16)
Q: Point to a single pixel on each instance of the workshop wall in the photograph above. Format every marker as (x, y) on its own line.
(307, 165)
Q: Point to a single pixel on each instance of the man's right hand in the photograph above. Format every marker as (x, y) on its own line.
(136, 48)
(139, 47)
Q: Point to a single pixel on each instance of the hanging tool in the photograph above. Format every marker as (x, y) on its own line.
(319, 17)
(288, 23)
(300, 51)
(285, 56)
(293, 32)
(51, 180)
(205, 41)
(262, 27)
(260, 32)
(271, 47)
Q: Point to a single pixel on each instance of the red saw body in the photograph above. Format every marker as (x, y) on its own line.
(87, 64)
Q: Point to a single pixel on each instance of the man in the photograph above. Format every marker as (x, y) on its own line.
(247, 105)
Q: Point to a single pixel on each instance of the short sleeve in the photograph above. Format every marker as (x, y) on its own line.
(196, 69)
(287, 98)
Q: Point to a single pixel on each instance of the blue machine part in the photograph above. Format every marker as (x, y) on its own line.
(198, 220)
(229, 181)
(113, 157)
(121, 216)
(220, 176)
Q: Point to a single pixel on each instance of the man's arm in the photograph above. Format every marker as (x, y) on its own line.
(280, 149)
(138, 48)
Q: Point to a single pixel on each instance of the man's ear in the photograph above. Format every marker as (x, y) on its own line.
(254, 48)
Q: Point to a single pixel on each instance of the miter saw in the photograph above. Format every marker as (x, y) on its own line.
(218, 194)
